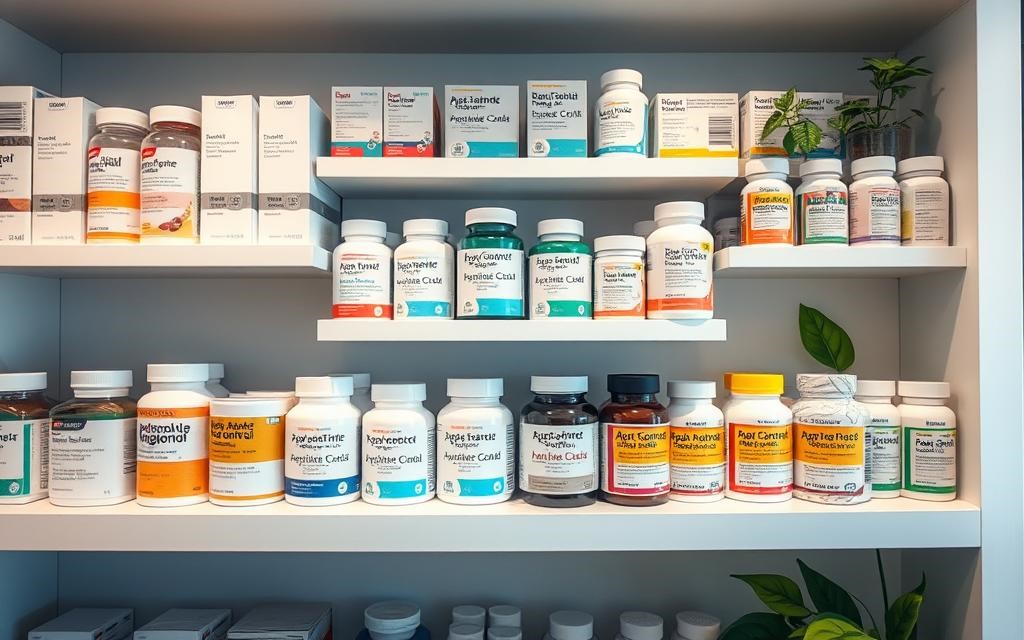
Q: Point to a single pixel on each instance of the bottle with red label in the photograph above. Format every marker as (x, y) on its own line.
(760, 439)
(169, 177)
(635, 468)
(362, 272)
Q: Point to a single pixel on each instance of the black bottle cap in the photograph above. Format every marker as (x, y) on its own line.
(634, 383)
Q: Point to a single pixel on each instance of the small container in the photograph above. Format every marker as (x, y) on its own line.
(884, 427)
(465, 631)
(874, 202)
(360, 390)
(24, 437)
(620, 122)
(469, 614)
(760, 444)
(821, 203)
(362, 272)
(393, 620)
(424, 272)
(924, 202)
(398, 446)
(697, 447)
(504, 616)
(644, 228)
(619, 278)
(561, 266)
(640, 625)
(766, 203)
(504, 633)
(634, 442)
(696, 625)
(213, 383)
(570, 625)
(489, 267)
(249, 474)
(679, 257)
(113, 176)
(929, 441)
(169, 183)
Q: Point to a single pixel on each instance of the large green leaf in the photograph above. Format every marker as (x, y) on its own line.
(757, 626)
(785, 101)
(826, 595)
(901, 618)
(778, 593)
(834, 628)
(806, 135)
(789, 143)
(774, 121)
(830, 345)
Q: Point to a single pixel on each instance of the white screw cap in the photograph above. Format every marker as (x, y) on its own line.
(359, 227)
(399, 392)
(177, 372)
(173, 113)
(23, 381)
(498, 215)
(616, 76)
(465, 631)
(640, 625)
(681, 209)
(691, 389)
(916, 389)
(821, 165)
(622, 243)
(559, 384)
(695, 625)
(920, 163)
(120, 115)
(571, 625)
(424, 227)
(560, 225)
(101, 379)
(504, 615)
(873, 163)
(475, 388)
(880, 388)
(762, 166)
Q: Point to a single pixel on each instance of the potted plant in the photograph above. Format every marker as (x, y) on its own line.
(802, 134)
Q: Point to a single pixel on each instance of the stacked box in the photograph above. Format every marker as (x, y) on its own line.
(228, 202)
(695, 125)
(556, 124)
(357, 122)
(87, 624)
(757, 106)
(481, 121)
(17, 107)
(410, 122)
(187, 624)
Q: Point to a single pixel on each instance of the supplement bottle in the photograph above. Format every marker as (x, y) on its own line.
(766, 203)
(874, 202)
(393, 620)
(634, 442)
(832, 445)
(465, 631)
(644, 228)
(113, 176)
(620, 125)
(558, 444)
(504, 616)
(570, 625)
(640, 625)
(174, 434)
(727, 233)
(24, 437)
(504, 633)
(560, 271)
(247, 450)
(398, 446)
(821, 203)
(696, 625)
(169, 182)
(679, 255)
(489, 269)
(469, 614)
(93, 441)
(362, 272)
(929, 441)
(424, 269)
(760, 445)
(360, 390)
(619, 290)
(924, 202)
(697, 442)
(476, 444)
(321, 447)
(213, 384)
(884, 428)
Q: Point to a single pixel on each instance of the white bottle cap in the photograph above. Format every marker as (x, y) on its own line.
(691, 389)
(271, 394)
(571, 625)
(359, 380)
(475, 388)
(680, 209)
(322, 387)
(392, 239)
(622, 75)
(916, 389)
(504, 615)
(499, 215)
(424, 227)
(120, 115)
(504, 633)
(920, 163)
(621, 243)
(393, 620)
(216, 370)
(360, 227)
(821, 165)
(879, 388)
(399, 392)
(23, 381)
(559, 384)
(763, 166)
(466, 631)
(174, 113)
(644, 228)
(560, 225)
(177, 372)
(695, 625)
(873, 163)
(640, 625)
(469, 614)
(101, 379)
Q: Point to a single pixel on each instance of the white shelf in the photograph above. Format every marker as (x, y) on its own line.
(836, 262)
(513, 526)
(148, 261)
(517, 178)
(520, 330)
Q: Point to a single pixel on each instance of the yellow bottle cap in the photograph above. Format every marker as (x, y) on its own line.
(756, 383)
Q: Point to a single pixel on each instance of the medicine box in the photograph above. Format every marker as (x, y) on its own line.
(228, 202)
(17, 110)
(87, 624)
(357, 122)
(295, 207)
(757, 106)
(300, 621)
(556, 119)
(481, 121)
(695, 125)
(187, 624)
(411, 122)
(63, 127)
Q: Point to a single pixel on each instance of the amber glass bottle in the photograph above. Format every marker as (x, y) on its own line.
(634, 442)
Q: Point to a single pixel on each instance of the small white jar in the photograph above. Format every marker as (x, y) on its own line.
(679, 264)
(760, 446)
(766, 203)
(252, 475)
(476, 445)
(727, 233)
(504, 615)
(884, 427)
(696, 625)
(640, 625)
(620, 121)
(469, 614)
(465, 631)
(644, 228)
(504, 633)
(570, 625)
(213, 383)
(697, 442)
(398, 446)
(823, 210)
(619, 278)
(874, 202)
(360, 390)
(424, 272)
(924, 197)
(362, 272)
(929, 441)
(391, 620)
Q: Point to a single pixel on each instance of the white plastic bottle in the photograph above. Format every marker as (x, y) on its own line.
(874, 202)
(760, 445)
(620, 124)
(476, 444)
(174, 431)
(398, 446)
(213, 384)
(469, 614)
(561, 267)
(766, 204)
(620, 291)
(924, 202)
(696, 625)
(679, 254)
(929, 441)
(821, 203)
(697, 442)
(640, 625)
(321, 446)
(886, 449)
(362, 272)
(570, 625)
(360, 390)
(505, 616)
(424, 272)
(504, 633)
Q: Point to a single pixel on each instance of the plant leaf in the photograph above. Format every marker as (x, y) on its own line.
(757, 626)
(826, 595)
(806, 135)
(773, 122)
(830, 345)
(798, 633)
(874, 634)
(788, 143)
(778, 593)
(785, 101)
(834, 628)
(917, 112)
(901, 618)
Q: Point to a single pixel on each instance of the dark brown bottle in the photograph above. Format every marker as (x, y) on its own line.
(634, 442)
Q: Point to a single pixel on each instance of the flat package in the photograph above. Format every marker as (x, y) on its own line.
(757, 106)
(556, 118)
(481, 121)
(301, 621)
(411, 120)
(695, 125)
(87, 624)
(357, 122)
(228, 202)
(17, 110)
(187, 624)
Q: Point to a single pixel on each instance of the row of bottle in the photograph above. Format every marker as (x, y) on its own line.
(484, 278)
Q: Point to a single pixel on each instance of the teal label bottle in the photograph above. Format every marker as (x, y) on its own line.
(561, 269)
(489, 267)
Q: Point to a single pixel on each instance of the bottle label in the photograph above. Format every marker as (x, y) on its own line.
(829, 460)
(621, 127)
(169, 186)
(398, 462)
(246, 457)
(490, 283)
(362, 285)
(824, 217)
(679, 276)
(172, 451)
(635, 460)
(619, 289)
(113, 200)
(560, 285)
(92, 459)
(929, 459)
(558, 460)
(766, 217)
(885, 458)
(924, 215)
(321, 461)
(875, 215)
(698, 457)
(760, 458)
(475, 460)
(24, 457)
(423, 286)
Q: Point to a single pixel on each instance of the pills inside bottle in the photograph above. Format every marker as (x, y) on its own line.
(169, 182)
(634, 442)
(113, 176)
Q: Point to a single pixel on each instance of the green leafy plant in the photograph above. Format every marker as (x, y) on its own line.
(801, 134)
(836, 614)
(826, 341)
(889, 77)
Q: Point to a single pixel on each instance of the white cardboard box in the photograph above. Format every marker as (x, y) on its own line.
(757, 106)
(357, 122)
(300, 621)
(410, 122)
(17, 107)
(556, 118)
(481, 121)
(87, 624)
(695, 125)
(229, 170)
(187, 624)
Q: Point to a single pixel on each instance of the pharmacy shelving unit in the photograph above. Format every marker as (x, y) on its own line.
(934, 313)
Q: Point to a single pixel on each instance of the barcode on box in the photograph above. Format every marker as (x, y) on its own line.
(720, 131)
(12, 116)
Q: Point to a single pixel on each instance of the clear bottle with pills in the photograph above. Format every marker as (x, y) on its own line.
(490, 267)
(929, 441)
(640, 625)
(362, 272)
(570, 625)
(884, 427)
(874, 202)
(635, 470)
(697, 442)
(169, 182)
(760, 447)
(766, 204)
(924, 202)
(679, 264)
(620, 121)
(113, 176)
(620, 290)
(24, 437)
(696, 625)
(424, 272)
(561, 267)
(398, 446)
(822, 206)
